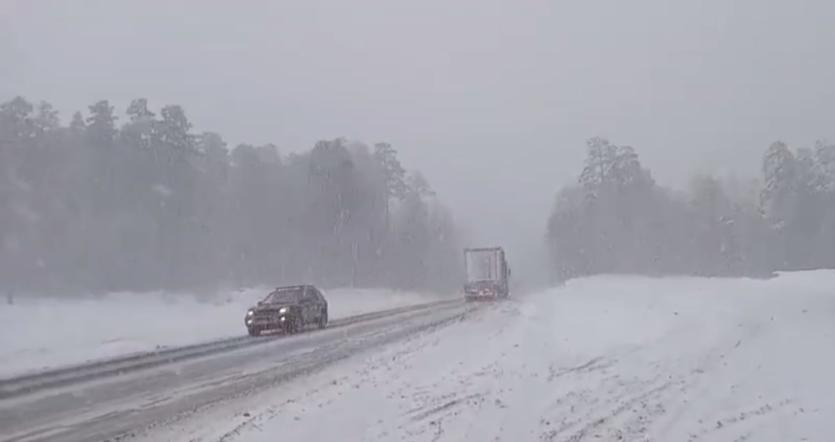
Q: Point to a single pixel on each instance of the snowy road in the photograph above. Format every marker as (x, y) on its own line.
(601, 359)
(604, 359)
(41, 333)
(128, 404)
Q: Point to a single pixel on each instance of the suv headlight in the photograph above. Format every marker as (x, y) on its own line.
(249, 313)
(282, 310)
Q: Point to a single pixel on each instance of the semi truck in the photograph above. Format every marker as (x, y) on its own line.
(488, 275)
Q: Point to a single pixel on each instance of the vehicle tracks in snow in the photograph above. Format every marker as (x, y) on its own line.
(622, 412)
(738, 425)
(594, 364)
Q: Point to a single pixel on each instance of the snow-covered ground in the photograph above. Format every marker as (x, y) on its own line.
(606, 358)
(37, 333)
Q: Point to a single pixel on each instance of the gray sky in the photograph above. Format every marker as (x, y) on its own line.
(492, 100)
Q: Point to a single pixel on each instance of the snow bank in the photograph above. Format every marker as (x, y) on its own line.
(606, 359)
(37, 333)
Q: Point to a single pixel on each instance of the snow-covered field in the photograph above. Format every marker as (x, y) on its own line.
(37, 333)
(601, 359)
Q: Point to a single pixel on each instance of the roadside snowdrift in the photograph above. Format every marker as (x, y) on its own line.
(602, 359)
(48, 332)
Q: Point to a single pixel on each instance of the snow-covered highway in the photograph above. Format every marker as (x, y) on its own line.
(602, 359)
(47, 333)
(125, 405)
(609, 358)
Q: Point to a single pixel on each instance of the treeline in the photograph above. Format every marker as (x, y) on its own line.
(617, 219)
(142, 202)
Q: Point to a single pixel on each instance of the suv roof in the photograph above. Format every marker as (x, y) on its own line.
(294, 287)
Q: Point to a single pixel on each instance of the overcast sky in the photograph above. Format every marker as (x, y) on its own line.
(492, 100)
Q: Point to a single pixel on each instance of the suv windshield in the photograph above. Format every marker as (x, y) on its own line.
(282, 296)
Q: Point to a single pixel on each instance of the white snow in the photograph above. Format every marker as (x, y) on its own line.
(37, 333)
(602, 359)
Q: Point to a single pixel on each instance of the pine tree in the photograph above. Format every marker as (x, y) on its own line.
(101, 124)
(77, 125)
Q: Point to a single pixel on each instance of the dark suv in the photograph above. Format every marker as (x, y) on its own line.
(289, 310)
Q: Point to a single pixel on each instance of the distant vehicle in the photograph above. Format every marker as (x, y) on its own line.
(288, 310)
(488, 275)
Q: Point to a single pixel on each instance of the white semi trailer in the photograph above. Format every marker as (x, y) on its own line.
(488, 275)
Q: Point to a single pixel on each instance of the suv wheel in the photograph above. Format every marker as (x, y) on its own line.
(296, 325)
(323, 318)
